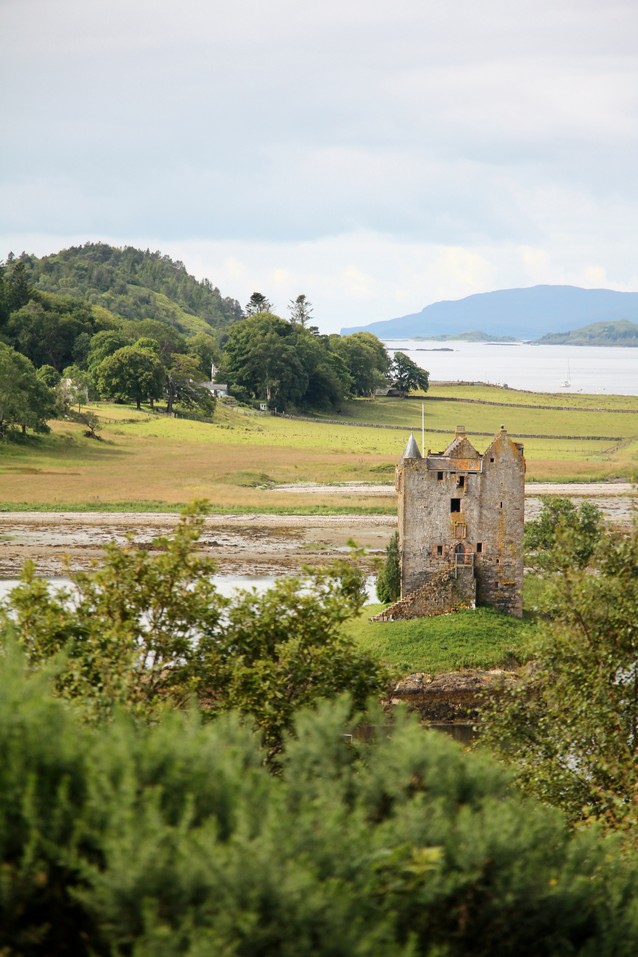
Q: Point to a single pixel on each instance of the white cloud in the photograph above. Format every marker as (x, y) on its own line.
(377, 156)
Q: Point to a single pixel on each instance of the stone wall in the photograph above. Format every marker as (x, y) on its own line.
(456, 506)
(448, 590)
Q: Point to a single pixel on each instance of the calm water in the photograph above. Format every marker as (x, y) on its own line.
(569, 369)
(227, 585)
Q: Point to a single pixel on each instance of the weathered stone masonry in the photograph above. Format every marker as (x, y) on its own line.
(460, 528)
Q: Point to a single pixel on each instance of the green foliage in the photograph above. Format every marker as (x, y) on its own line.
(176, 840)
(182, 385)
(564, 534)
(619, 332)
(131, 373)
(260, 360)
(290, 365)
(258, 303)
(571, 727)
(26, 402)
(406, 375)
(47, 327)
(133, 284)
(300, 310)
(148, 629)
(50, 376)
(366, 359)
(389, 577)
(205, 349)
(104, 343)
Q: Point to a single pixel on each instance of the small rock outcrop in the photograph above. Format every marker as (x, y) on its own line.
(455, 696)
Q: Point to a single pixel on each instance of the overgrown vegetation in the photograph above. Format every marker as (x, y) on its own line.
(570, 728)
(147, 630)
(389, 577)
(175, 839)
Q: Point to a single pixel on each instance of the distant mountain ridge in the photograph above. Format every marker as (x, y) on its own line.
(526, 313)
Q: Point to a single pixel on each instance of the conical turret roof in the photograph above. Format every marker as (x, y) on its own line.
(411, 449)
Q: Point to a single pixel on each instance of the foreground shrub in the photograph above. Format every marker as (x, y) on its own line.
(124, 839)
(147, 630)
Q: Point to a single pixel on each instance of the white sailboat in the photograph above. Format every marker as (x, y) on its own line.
(567, 383)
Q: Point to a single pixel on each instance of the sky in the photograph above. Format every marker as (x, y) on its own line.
(374, 155)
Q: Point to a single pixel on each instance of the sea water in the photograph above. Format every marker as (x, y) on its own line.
(521, 365)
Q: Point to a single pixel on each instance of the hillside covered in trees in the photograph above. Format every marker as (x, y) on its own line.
(620, 333)
(98, 322)
(133, 284)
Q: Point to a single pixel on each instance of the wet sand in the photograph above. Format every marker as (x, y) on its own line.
(254, 544)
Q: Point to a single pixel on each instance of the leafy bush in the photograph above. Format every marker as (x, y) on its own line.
(148, 630)
(389, 577)
(175, 839)
(570, 729)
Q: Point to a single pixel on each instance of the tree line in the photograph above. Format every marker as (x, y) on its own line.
(79, 350)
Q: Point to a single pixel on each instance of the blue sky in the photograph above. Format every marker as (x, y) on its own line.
(376, 156)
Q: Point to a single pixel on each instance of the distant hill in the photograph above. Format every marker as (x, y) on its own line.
(134, 284)
(621, 333)
(524, 313)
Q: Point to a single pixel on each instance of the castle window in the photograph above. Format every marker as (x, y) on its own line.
(455, 505)
(501, 505)
(479, 547)
(492, 458)
(439, 549)
(439, 476)
(460, 482)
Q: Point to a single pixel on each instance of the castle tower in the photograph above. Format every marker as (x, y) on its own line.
(461, 526)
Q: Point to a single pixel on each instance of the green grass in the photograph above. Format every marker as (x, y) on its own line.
(482, 638)
(150, 506)
(150, 462)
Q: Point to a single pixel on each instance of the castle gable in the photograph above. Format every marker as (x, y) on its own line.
(461, 448)
(501, 447)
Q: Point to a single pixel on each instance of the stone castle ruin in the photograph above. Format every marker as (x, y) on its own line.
(460, 528)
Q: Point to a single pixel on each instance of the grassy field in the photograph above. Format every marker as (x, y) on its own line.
(148, 461)
(483, 638)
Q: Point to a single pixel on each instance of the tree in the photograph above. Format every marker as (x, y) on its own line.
(17, 286)
(148, 629)
(260, 358)
(205, 350)
(46, 327)
(570, 728)
(182, 384)
(563, 534)
(389, 578)
(406, 375)
(50, 376)
(175, 839)
(131, 373)
(366, 358)
(75, 387)
(104, 344)
(258, 303)
(300, 310)
(25, 400)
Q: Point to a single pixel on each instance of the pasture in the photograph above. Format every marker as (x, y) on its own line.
(145, 460)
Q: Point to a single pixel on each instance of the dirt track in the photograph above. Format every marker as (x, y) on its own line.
(243, 544)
